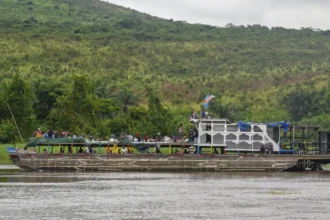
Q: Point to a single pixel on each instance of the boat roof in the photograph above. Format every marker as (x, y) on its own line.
(224, 120)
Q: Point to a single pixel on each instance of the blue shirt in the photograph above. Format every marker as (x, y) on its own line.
(285, 126)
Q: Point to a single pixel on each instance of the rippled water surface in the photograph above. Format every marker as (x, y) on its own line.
(164, 195)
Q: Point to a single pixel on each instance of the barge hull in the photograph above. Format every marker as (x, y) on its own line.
(156, 163)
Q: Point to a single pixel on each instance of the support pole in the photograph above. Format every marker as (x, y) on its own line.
(12, 115)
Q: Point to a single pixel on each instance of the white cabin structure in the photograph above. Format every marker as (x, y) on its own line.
(222, 133)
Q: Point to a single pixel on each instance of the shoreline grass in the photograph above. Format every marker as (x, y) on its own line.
(4, 156)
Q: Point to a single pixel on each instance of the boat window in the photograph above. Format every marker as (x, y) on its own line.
(218, 139)
(257, 137)
(256, 145)
(244, 145)
(219, 122)
(232, 128)
(243, 137)
(231, 137)
(205, 138)
(206, 127)
(218, 127)
(231, 145)
(257, 129)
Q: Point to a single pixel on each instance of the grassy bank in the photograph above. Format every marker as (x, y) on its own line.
(4, 156)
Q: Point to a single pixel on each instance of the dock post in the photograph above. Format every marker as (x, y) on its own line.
(99, 147)
(211, 149)
(198, 149)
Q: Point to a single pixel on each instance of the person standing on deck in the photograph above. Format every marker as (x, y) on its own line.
(285, 127)
(181, 133)
(203, 113)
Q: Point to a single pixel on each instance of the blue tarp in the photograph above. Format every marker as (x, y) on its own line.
(277, 124)
(243, 126)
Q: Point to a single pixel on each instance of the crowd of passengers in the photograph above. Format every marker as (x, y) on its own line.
(114, 149)
(180, 137)
(124, 149)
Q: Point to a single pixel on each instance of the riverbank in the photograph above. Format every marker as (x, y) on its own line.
(4, 156)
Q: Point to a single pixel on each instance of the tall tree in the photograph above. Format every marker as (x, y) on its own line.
(20, 98)
(126, 99)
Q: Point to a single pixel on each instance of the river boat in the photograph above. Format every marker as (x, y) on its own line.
(219, 146)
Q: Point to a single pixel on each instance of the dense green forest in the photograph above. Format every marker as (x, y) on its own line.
(89, 66)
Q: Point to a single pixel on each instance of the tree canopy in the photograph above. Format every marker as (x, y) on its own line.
(90, 66)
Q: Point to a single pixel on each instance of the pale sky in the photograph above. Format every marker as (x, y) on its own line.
(271, 13)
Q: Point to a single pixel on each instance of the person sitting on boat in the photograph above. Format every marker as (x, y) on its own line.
(50, 133)
(130, 137)
(192, 149)
(115, 149)
(262, 149)
(130, 149)
(112, 138)
(182, 150)
(193, 115)
(157, 148)
(146, 139)
(80, 150)
(91, 136)
(269, 148)
(45, 151)
(63, 134)
(57, 134)
(90, 149)
(138, 137)
(190, 135)
(108, 149)
(124, 150)
(174, 138)
(39, 133)
(87, 150)
(158, 137)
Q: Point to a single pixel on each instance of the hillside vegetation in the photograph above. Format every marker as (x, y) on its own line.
(90, 66)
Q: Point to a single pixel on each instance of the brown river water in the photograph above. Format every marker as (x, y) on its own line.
(164, 195)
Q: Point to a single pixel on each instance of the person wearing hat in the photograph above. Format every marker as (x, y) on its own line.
(39, 133)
